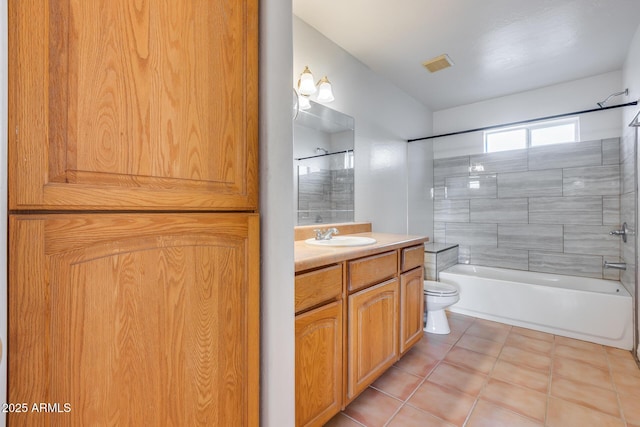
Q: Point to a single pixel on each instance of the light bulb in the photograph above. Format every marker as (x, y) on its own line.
(325, 93)
(305, 84)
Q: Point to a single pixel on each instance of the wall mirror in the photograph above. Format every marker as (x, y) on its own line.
(323, 151)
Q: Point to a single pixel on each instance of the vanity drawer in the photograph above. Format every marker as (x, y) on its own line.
(412, 257)
(374, 269)
(318, 286)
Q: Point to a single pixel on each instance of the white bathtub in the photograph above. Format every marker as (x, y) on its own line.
(594, 310)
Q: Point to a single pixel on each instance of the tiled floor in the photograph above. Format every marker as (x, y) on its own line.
(486, 374)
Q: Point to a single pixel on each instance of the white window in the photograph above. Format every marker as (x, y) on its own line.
(532, 135)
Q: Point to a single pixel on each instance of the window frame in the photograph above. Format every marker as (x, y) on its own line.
(575, 121)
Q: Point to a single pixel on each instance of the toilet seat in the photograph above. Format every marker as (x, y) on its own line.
(440, 289)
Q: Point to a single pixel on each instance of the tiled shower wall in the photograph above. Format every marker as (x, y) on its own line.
(326, 196)
(547, 209)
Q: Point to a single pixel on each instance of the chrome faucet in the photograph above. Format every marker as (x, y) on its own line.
(615, 265)
(622, 232)
(325, 234)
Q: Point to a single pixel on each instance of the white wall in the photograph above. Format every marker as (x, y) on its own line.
(385, 117)
(3, 204)
(577, 95)
(277, 389)
(631, 80)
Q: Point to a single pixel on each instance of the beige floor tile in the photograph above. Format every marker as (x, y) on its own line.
(536, 377)
(373, 408)
(417, 363)
(458, 378)
(595, 356)
(458, 326)
(341, 420)
(521, 375)
(435, 349)
(450, 338)
(487, 415)
(630, 408)
(529, 344)
(492, 324)
(540, 336)
(524, 401)
(470, 359)
(413, 417)
(627, 384)
(585, 345)
(489, 330)
(479, 345)
(561, 413)
(445, 403)
(593, 397)
(625, 365)
(582, 372)
(618, 352)
(517, 356)
(398, 383)
(461, 317)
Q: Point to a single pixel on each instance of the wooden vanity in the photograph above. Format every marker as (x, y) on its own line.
(358, 309)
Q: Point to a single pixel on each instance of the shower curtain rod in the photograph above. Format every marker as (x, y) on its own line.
(323, 155)
(557, 116)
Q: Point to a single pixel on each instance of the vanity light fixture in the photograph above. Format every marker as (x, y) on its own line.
(306, 88)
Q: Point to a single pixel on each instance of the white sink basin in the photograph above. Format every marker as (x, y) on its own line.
(342, 241)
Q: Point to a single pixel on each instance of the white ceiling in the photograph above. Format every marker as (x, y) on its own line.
(499, 47)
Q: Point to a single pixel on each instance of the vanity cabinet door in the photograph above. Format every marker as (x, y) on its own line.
(135, 319)
(133, 105)
(411, 308)
(372, 335)
(319, 364)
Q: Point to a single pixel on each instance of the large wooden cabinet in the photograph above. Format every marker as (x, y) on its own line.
(135, 320)
(354, 318)
(133, 105)
(133, 197)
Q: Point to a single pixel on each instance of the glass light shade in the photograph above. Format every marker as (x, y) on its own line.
(305, 84)
(325, 93)
(303, 102)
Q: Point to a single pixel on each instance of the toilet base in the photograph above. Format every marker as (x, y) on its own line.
(437, 322)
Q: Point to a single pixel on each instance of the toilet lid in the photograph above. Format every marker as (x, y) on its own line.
(437, 288)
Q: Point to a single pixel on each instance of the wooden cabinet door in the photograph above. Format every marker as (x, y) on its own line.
(319, 364)
(133, 105)
(135, 320)
(411, 308)
(373, 334)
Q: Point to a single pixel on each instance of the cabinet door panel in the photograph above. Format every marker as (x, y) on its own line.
(373, 334)
(135, 320)
(411, 308)
(318, 365)
(129, 105)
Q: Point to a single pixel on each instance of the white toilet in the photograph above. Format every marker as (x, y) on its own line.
(437, 297)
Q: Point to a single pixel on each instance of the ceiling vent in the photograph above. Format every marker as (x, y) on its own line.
(438, 63)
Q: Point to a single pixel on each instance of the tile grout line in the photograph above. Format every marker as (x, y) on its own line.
(548, 397)
(615, 388)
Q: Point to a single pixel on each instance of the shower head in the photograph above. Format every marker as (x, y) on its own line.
(601, 103)
(322, 150)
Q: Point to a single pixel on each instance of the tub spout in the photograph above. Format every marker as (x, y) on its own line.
(615, 265)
